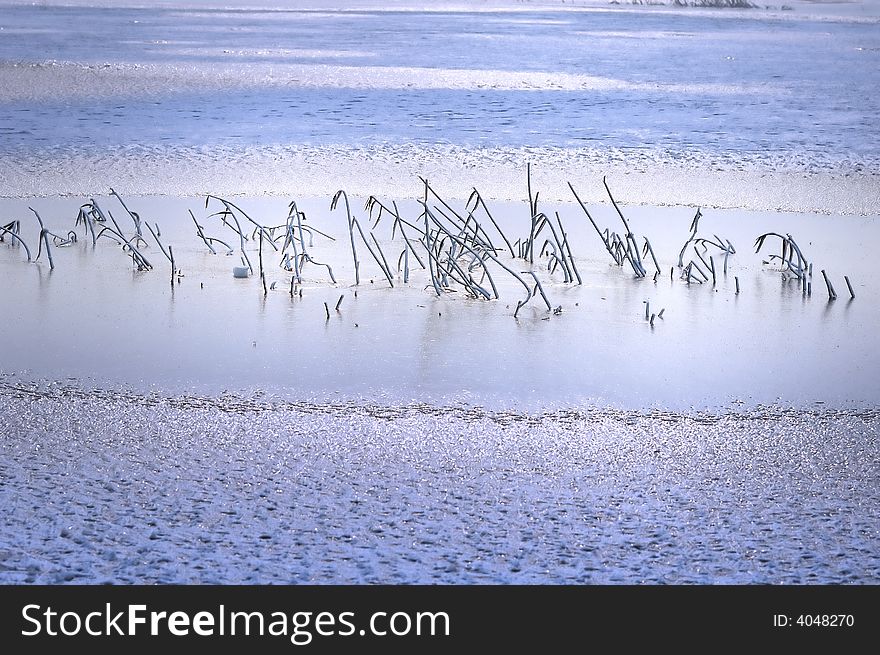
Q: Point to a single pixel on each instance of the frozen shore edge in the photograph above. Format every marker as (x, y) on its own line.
(645, 177)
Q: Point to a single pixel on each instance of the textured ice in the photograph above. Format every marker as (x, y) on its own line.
(108, 487)
(32, 82)
(767, 113)
(839, 187)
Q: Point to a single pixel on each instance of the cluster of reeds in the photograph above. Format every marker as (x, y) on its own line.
(792, 259)
(700, 270)
(354, 225)
(295, 233)
(95, 222)
(796, 267)
(13, 230)
(650, 317)
(460, 248)
(624, 248)
(294, 249)
(46, 238)
(793, 263)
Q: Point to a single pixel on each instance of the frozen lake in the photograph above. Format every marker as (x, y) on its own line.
(202, 431)
(95, 317)
(672, 83)
(209, 434)
(250, 102)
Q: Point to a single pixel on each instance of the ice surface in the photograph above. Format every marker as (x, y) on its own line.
(94, 318)
(101, 487)
(692, 107)
(640, 177)
(202, 432)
